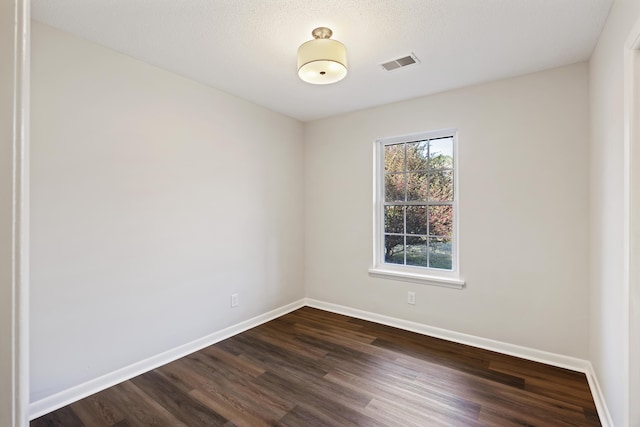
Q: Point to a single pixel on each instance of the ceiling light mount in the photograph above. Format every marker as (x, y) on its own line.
(322, 60)
(322, 33)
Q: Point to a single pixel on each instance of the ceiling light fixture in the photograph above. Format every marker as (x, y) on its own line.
(322, 60)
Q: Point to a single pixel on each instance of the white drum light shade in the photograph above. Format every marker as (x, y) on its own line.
(322, 60)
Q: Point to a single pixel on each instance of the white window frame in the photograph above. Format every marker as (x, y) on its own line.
(415, 274)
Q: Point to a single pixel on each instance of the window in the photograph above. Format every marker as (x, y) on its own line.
(416, 208)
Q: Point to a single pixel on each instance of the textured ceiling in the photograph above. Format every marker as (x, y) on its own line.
(248, 47)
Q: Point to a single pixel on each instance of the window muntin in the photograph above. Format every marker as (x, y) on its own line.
(417, 202)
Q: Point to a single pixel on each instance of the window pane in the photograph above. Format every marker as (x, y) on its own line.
(417, 186)
(419, 201)
(441, 220)
(394, 219)
(417, 156)
(394, 158)
(394, 187)
(394, 249)
(417, 251)
(441, 186)
(441, 153)
(440, 255)
(416, 220)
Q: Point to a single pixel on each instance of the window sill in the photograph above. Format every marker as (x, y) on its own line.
(424, 279)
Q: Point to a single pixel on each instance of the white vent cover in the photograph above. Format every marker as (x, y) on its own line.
(400, 62)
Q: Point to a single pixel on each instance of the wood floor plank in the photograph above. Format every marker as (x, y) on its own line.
(242, 394)
(550, 381)
(431, 416)
(97, 411)
(235, 410)
(140, 409)
(64, 417)
(406, 396)
(464, 360)
(129, 403)
(186, 409)
(320, 393)
(237, 363)
(315, 368)
(287, 337)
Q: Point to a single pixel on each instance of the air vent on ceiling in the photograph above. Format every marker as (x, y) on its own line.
(400, 62)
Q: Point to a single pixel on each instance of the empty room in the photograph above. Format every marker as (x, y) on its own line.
(320, 213)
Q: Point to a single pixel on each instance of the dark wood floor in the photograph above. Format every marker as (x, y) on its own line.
(314, 368)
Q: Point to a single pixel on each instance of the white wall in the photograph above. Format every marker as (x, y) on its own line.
(13, 223)
(7, 344)
(608, 326)
(154, 198)
(523, 160)
(633, 66)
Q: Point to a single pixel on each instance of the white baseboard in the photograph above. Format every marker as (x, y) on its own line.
(553, 359)
(73, 394)
(598, 397)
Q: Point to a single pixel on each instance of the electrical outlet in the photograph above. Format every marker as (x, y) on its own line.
(411, 297)
(234, 300)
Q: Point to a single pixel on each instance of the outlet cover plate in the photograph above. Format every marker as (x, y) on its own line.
(411, 298)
